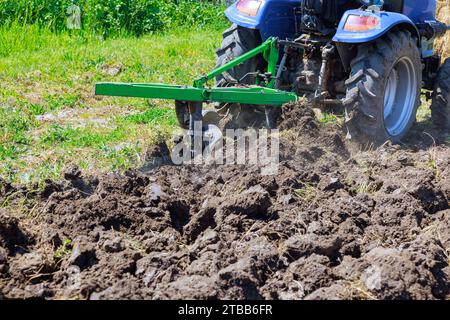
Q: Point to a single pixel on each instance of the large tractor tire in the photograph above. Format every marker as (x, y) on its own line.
(440, 107)
(236, 41)
(383, 91)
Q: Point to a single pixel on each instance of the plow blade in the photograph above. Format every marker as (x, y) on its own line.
(245, 95)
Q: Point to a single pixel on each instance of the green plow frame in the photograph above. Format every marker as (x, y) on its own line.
(262, 93)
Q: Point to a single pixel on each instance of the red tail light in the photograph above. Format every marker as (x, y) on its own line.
(249, 7)
(361, 23)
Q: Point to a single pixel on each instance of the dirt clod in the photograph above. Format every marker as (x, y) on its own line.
(11, 235)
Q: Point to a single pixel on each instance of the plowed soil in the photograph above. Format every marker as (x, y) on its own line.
(334, 223)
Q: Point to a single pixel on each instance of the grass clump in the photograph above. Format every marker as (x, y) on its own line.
(58, 134)
(152, 116)
(64, 249)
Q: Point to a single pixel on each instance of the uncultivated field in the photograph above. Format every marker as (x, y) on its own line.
(49, 116)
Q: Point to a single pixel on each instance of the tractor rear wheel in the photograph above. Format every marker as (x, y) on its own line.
(236, 41)
(383, 91)
(440, 107)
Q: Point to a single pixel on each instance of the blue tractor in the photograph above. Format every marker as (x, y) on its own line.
(372, 58)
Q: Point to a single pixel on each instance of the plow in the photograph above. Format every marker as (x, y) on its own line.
(262, 93)
(373, 59)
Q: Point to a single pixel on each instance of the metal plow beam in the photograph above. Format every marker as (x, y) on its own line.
(248, 95)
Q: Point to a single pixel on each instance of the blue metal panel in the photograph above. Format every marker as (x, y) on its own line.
(275, 18)
(420, 10)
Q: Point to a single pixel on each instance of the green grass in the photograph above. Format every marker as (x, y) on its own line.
(151, 116)
(64, 249)
(49, 116)
(114, 17)
(330, 118)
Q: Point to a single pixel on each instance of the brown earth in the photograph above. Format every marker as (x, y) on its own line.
(334, 223)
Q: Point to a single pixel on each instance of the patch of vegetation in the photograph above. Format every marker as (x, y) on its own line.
(152, 116)
(59, 101)
(14, 125)
(331, 118)
(49, 116)
(307, 193)
(37, 109)
(64, 249)
(8, 151)
(114, 17)
(121, 157)
(57, 134)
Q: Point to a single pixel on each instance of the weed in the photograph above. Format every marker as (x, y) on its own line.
(37, 109)
(153, 116)
(363, 187)
(57, 102)
(58, 134)
(8, 151)
(64, 249)
(330, 118)
(307, 193)
(121, 157)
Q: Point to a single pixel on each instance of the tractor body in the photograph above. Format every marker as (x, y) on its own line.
(280, 18)
(370, 58)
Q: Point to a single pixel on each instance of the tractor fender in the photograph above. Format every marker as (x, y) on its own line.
(388, 20)
(273, 18)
